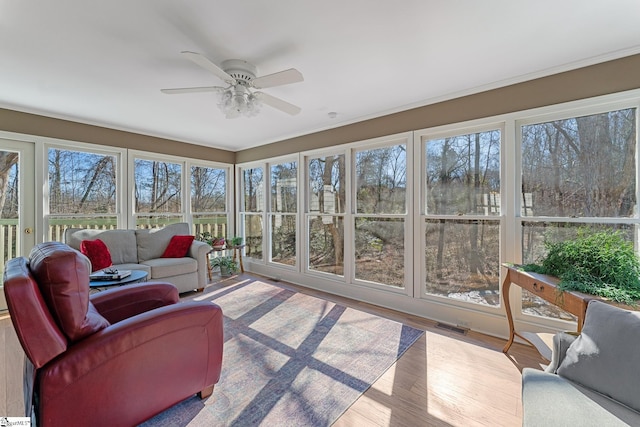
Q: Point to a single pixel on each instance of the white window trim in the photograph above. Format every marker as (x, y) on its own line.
(406, 139)
(306, 215)
(229, 179)
(121, 166)
(581, 108)
(241, 212)
(420, 137)
(269, 212)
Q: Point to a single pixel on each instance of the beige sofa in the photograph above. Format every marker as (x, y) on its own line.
(143, 249)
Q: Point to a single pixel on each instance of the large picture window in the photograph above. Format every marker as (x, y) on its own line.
(326, 208)
(251, 210)
(283, 208)
(576, 172)
(462, 216)
(380, 219)
(82, 190)
(158, 186)
(209, 200)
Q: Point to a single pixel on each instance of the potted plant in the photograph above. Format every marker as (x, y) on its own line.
(226, 264)
(218, 242)
(236, 241)
(599, 263)
(211, 240)
(206, 237)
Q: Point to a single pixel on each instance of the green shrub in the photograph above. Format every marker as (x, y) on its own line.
(601, 263)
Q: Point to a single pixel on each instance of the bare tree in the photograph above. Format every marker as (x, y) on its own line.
(328, 178)
(208, 188)
(158, 186)
(8, 160)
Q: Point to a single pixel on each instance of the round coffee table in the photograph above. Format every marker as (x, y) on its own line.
(135, 277)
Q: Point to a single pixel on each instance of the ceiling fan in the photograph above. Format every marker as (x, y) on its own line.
(238, 98)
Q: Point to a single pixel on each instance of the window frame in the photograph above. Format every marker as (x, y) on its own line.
(145, 156)
(406, 139)
(421, 216)
(269, 213)
(229, 178)
(307, 214)
(592, 106)
(120, 156)
(185, 182)
(241, 212)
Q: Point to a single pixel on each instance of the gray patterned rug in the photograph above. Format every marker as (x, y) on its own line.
(290, 359)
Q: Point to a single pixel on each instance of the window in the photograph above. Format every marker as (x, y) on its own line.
(325, 213)
(251, 210)
(158, 186)
(9, 206)
(82, 190)
(283, 208)
(209, 200)
(462, 216)
(576, 172)
(9, 163)
(380, 219)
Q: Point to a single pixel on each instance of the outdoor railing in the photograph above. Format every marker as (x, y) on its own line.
(8, 241)
(58, 225)
(9, 232)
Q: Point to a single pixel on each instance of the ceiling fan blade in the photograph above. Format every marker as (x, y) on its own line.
(278, 79)
(277, 103)
(210, 66)
(192, 89)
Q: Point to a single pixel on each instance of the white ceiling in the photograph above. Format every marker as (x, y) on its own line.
(104, 62)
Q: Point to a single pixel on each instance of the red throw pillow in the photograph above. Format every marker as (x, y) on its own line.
(178, 247)
(97, 252)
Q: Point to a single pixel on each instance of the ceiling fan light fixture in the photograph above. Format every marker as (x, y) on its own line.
(238, 101)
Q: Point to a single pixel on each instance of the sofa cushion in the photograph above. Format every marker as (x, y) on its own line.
(605, 355)
(62, 274)
(549, 400)
(121, 243)
(153, 242)
(178, 246)
(167, 267)
(97, 252)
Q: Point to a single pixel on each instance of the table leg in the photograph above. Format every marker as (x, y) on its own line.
(581, 316)
(240, 259)
(237, 251)
(209, 268)
(506, 285)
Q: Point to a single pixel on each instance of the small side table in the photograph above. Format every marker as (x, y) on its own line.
(237, 249)
(237, 254)
(212, 251)
(101, 285)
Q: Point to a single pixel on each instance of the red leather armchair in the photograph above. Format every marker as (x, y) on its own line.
(115, 358)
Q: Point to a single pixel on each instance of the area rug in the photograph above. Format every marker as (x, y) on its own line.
(290, 359)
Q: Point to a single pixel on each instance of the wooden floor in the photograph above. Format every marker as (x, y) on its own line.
(444, 379)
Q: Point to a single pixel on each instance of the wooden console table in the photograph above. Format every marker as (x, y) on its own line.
(545, 287)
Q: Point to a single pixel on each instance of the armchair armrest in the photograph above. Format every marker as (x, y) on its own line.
(141, 365)
(198, 251)
(561, 342)
(127, 301)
